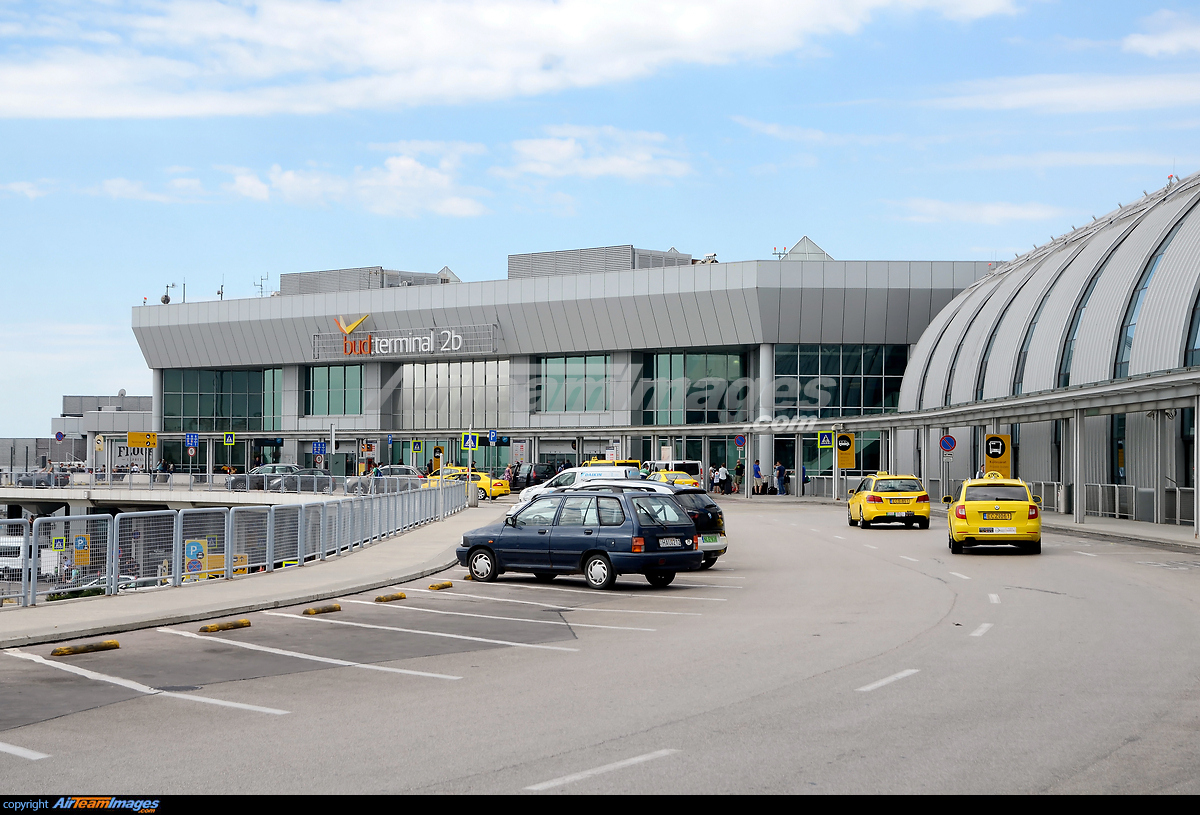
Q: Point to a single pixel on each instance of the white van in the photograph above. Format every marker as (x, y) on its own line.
(576, 475)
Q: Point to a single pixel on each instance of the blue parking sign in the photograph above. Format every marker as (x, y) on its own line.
(492, 436)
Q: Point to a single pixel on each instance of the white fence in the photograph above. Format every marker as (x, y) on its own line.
(217, 482)
(81, 555)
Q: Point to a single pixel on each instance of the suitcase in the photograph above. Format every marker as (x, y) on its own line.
(772, 491)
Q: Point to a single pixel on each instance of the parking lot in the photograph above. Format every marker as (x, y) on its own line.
(814, 657)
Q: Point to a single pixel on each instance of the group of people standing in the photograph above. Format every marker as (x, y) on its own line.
(722, 481)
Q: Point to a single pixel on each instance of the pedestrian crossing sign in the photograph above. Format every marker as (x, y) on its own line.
(470, 441)
(825, 438)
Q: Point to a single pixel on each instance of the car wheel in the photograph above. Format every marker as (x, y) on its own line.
(923, 523)
(482, 565)
(862, 521)
(708, 563)
(598, 572)
(660, 580)
(544, 577)
(956, 548)
(482, 494)
(850, 518)
(1034, 548)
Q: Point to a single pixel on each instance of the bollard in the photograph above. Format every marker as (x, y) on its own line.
(226, 626)
(322, 609)
(387, 598)
(439, 586)
(87, 648)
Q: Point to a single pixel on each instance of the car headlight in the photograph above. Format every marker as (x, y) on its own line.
(465, 542)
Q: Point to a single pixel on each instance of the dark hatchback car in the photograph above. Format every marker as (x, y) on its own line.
(598, 535)
(529, 475)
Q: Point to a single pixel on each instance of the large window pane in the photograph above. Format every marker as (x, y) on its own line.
(172, 381)
(851, 360)
(897, 359)
(808, 360)
(873, 360)
(785, 360)
(831, 360)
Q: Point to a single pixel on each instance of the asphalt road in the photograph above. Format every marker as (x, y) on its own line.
(814, 657)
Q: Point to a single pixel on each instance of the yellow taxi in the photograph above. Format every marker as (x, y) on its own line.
(674, 477)
(435, 478)
(488, 487)
(992, 510)
(889, 499)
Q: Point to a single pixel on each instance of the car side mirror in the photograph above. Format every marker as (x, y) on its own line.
(947, 499)
(509, 520)
(1037, 499)
(849, 492)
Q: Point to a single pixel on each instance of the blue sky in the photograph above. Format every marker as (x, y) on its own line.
(147, 143)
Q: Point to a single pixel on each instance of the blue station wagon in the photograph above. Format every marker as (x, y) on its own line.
(597, 535)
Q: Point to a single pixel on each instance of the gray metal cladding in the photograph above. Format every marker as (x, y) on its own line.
(970, 353)
(1041, 368)
(918, 360)
(1166, 312)
(942, 356)
(1096, 346)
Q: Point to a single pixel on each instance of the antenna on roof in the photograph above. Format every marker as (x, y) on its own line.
(261, 285)
(778, 255)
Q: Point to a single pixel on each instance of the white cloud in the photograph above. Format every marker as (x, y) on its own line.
(207, 57)
(402, 186)
(929, 210)
(133, 190)
(1054, 159)
(592, 152)
(1075, 93)
(811, 135)
(27, 188)
(1171, 33)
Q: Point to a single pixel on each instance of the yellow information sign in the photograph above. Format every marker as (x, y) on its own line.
(99, 444)
(845, 451)
(82, 545)
(997, 459)
(141, 441)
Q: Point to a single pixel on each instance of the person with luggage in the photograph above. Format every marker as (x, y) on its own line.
(780, 475)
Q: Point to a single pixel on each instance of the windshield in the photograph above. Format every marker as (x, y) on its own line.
(898, 485)
(658, 509)
(695, 500)
(996, 492)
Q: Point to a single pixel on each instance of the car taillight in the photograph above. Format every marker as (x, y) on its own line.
(639, 544)
(960, 511)
(922, 499)
(1033, 511)
(695, 541)
(874, 499)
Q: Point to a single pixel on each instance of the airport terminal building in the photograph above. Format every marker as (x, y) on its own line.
(576, 352)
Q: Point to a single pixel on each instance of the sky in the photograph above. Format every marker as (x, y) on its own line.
(220, 144)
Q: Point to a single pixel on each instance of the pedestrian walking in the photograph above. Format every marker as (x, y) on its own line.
(780, 474)
(758, 478)
(739, 476)
(723, 479)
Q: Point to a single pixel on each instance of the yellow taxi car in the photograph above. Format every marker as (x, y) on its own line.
(674, 477)
(435, 478)
(890, 499)
(992, 510)
(488, 487)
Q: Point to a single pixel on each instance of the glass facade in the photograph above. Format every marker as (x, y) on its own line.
(199, 400)
(692, 387)
(454, 395)
(570, 384)
(837, 380)
(333, 390)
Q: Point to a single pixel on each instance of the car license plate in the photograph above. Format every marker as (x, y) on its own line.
(997, 530)
(898, 514)
(898, 500)
(667, 543)
(711, 539)
(997, 516)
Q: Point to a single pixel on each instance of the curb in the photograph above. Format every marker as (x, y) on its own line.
(208, 614)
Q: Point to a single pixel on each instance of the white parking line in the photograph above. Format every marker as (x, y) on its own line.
(913, 559)
(137, 686)
(607, 768)
(810, 529)
(706, 586)
(994, 599)
(557, 606)
(963, 576)
(598, 595)
(250, 646)
(887, 680)
(708, 575)
(1086, 554)
(21, 752)
(418, 631)
(493, 617)
(839, 537)
(983, 629)
(869, 546)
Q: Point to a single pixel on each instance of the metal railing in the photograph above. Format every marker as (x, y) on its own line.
(81, 555)
(1180, 506)
(1111, 500)
(240, 482)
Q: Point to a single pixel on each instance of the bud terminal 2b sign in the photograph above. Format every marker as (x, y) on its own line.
(353, 340)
